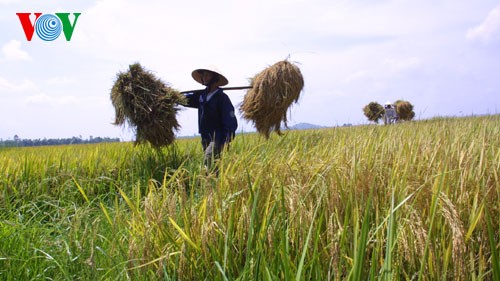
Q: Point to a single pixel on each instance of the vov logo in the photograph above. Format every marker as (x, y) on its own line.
(48, 27)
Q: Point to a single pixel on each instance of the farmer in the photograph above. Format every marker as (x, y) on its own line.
(390, 115)
(216, 119)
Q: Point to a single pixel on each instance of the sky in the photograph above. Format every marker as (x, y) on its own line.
(443, 56)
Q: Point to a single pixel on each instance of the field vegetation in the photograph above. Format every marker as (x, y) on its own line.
(412, 201)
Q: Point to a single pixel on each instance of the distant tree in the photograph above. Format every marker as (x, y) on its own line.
(404, 110)
(373, 111)
(40, 142)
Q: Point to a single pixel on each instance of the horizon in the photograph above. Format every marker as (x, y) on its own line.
(293, 127)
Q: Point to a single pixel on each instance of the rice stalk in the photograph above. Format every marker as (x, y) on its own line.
(450, 214)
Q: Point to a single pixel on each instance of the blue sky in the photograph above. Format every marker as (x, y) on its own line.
(440, 55)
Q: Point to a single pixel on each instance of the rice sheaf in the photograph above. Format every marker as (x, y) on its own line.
(273, 91)
(147, 105)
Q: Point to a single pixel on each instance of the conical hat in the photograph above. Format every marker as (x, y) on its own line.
(197, 75)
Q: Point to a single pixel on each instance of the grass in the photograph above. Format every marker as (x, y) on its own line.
(413, 201)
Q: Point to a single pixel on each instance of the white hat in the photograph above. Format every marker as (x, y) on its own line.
(197, 75)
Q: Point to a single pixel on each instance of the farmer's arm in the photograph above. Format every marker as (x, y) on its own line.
(193, 100)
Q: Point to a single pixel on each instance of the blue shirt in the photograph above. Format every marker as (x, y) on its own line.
(216, 118)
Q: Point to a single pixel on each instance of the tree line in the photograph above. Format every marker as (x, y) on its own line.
(17, 141)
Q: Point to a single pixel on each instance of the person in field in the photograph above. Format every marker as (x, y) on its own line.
(217, 122)
(390, 115)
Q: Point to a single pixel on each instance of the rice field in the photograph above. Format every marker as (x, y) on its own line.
(412, 201)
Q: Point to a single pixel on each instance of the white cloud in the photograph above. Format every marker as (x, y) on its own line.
(60, 80)
(11, 87)
(489, 30)
(398, 65)
(374, 72)
(39, 99)
(12, 51)
(7, 1)
(48, 100)
(356, 76)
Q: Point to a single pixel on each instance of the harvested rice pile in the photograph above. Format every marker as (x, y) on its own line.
(404, 110)
(373, 111)
(273, 92)
(147, 105)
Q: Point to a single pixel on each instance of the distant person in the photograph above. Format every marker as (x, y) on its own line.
(217, 122)
(390, 115)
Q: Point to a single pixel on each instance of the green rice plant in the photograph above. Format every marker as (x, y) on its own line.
(406, 202)
(362, 243)
(495, 262)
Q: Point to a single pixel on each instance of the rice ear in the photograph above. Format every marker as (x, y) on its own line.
(273, 91)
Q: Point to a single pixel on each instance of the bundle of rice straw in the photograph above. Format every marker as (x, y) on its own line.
(273, 92)
(147, 104)
(373, 111)
(404, 110)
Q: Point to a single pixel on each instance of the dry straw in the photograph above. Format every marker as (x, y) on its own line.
(147, 105)
(404, 110)
(273, 92)
(373, 111)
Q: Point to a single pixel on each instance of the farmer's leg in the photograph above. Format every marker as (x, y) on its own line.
(205, 143)
(212, 155)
